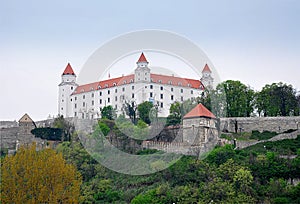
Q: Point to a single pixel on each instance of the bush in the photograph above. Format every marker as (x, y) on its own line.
(48, 133)
(265, 135)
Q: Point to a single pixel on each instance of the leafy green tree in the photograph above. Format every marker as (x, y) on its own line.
(277, 99)
(108, 112)
(43, 176)
(144, 111)
(239, 98)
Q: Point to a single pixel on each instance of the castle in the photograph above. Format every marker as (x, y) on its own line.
(87, 100)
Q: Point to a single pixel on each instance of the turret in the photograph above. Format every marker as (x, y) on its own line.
(66, 88)
(142, 72)
(207, 80)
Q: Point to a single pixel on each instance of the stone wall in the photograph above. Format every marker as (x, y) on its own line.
(273, 124)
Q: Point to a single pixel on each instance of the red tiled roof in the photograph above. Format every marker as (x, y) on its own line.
(176, 81)
(206, 69)
(155, 78)
(142, 58)
(68, 70)
(199, 111)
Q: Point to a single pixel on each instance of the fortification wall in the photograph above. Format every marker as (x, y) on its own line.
(273, 124)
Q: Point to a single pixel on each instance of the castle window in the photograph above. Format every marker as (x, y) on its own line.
(100, 101)
(181, 90)
(108, 100)
(108, 91)
(71, 87)
(92, 103)
(92, 95)
(106, 85)
(192, 92)
(82, 90)
(132, 95)
(124, 82)
(71, 100)
(123, 89)
(83, 104)
(75, 105)
(75, 114)
(131, 81)
(151, 94)
(75, 98)
(181, 98)
(161, 96)
(132, 87)
(114, 84)
(83, 96)
(100, 93)
(116, 107)
(62, 100)
(116, 98)
(169, 82)
(161, 88)
(172, 89)
(92, 88)
(99, 87)
(159, 81)
(151, 86)
(172, 97)
(161, 105)
(116, 90)
(179, 84)
(151, 80)
(189, 85)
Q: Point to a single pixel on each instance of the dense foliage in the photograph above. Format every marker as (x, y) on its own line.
(32, 176)
(258, 174)
(54, 134)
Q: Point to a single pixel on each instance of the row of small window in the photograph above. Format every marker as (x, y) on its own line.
(100, 101)
(123, 89)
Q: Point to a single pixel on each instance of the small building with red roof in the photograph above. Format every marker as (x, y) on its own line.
(87, 100)
(200, 127)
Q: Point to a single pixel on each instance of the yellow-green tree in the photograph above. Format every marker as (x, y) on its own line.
(32, 176)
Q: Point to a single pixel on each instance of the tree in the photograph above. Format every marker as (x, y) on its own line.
(277, 99)
(108, 112)
(130, 110)
(32, 176)
(239, 100)
(144, 110)
(66, 127)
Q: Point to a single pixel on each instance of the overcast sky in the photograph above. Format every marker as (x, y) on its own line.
(254, 41)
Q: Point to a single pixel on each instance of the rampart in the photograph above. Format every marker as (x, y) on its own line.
(273, 124)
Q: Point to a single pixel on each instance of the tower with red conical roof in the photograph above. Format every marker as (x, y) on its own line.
(200, 128)
(142, 72)
(207, 79)
(66, 88)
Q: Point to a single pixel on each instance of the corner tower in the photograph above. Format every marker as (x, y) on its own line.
(66, 88)
(142, 72)
(207, 79)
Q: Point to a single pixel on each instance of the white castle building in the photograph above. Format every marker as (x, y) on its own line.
(87, 100)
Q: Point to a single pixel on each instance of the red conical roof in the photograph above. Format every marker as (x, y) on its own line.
(142, 58)
(68, 70)
(206, 69)
(199, 111)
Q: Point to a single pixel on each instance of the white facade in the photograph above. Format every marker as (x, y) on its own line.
(87, 101)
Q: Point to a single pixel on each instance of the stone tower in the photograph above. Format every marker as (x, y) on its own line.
(207, 79)
(142, 72)
(66, 88)
(199, 128)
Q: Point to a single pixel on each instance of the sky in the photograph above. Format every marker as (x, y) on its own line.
(254, 41)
